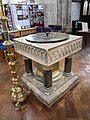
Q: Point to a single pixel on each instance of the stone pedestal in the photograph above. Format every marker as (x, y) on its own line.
(57, 12)
(48, 82)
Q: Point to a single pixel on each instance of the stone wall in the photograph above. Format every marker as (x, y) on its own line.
(50, 11)
(57, 12)
(75, 11)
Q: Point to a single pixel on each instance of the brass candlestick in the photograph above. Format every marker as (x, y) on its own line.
(18, 94)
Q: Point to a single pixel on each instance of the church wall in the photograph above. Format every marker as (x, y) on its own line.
(54, 12)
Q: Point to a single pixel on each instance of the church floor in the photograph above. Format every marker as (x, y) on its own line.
(74, 106)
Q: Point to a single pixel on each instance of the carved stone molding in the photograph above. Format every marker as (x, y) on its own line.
(50, 56)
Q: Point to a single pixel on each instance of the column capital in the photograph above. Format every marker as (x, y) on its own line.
(25, 58)
(70, 56)
(46, 68)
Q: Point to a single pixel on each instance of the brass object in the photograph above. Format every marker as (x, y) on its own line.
(18, 94)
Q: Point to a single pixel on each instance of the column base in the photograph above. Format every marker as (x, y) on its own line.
(28, 74)
(49, 96)
(67, 74)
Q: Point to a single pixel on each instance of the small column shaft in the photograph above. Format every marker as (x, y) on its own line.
(28, 65)
(68, 66)
(47, 78)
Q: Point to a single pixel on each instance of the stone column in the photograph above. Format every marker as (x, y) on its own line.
(50, 11)
(28, 65)
(47, 76)
(68, 66)
(66, 13)
(59, 12)
(69, 14)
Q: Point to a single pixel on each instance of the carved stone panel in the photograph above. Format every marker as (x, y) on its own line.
(48, 54)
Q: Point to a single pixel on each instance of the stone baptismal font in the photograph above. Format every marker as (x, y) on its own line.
(46, 80)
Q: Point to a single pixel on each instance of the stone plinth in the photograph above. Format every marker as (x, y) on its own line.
(48, 82)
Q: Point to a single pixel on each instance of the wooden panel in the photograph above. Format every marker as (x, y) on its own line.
(0, 37)
(20, 33)
(15, 33)
(1, 54)
(28, 31)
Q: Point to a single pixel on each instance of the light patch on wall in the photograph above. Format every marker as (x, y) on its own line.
(75, 11)
(85, 7)
(89, 9)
